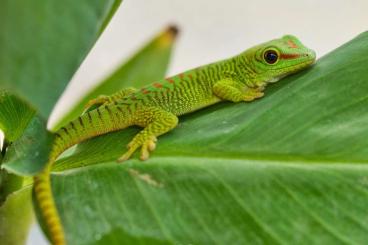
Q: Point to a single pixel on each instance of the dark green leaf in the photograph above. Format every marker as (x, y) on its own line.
(9, 183)
(29, 154)
(27, 142)
(149, 64)
(43, 42)
(287, 169)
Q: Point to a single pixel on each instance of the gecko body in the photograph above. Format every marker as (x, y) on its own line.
(156, 107)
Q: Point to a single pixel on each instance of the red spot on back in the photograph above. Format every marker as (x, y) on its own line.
(157, 85)
(181, 75)
(292, 44)
(170, 80)
(145, 91)
(289, 56)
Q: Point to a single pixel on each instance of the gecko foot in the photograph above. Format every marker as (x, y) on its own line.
(148, 145)
(252, 95)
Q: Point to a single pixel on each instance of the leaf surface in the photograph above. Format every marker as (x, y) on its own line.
(16, 217)
(27, 142)
(289, 168)
(43, 42)
(28, 155)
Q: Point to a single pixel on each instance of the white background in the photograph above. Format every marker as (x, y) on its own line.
(212, 30)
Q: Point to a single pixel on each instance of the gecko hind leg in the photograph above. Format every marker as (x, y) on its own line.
(155, 122)
(100, 100)
(104, 99)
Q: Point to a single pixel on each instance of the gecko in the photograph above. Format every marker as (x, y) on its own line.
(156, 107)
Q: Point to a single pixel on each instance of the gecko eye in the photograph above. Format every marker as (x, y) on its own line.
(271, 56)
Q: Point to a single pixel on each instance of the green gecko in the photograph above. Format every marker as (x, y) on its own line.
(156, 107)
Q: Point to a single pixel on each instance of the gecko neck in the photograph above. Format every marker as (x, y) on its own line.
(246, 71)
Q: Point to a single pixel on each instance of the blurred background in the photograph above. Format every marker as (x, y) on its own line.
(211, 30)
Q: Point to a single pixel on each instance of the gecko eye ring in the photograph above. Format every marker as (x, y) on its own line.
(271, 56)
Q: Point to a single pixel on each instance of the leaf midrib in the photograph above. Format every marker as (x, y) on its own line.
(290, 162)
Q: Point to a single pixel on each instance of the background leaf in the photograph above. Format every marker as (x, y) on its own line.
(29, 154)
(40, 51)
(42, 43)
(16, 217)
(9, 183)
(148, 64)
(15, 115)
(27, 141)
(286, 169)
(15, 203)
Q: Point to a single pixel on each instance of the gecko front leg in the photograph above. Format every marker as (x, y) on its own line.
(229, 89)
(253, 93)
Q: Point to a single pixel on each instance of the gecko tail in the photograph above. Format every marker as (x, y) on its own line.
(89, 125)
(44, 197)
(46, 202)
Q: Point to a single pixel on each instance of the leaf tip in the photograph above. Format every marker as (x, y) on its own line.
(173, 30)
(168, 36)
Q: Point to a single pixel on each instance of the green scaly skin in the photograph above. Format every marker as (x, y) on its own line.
(156, 107)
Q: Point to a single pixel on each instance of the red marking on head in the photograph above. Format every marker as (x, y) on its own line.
(190, 76)
(289, 56)
(145, 91)
(181, 75)
(170, 80)
(157, 85)
(292, 44)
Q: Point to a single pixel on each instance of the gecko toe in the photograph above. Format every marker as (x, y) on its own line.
(125, 156)
(144, 153)
(151, 145)
(259, 94)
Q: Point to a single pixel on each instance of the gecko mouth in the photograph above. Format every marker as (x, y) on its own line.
(294, 68)
(291, 69)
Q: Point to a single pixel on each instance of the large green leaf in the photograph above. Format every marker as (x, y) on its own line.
(148, 64)
(287, 169)
(43, 42)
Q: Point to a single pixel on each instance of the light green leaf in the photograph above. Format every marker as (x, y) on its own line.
(15, 115)
(148, 64)
(43, 42)
(16, 217)
(289, 168)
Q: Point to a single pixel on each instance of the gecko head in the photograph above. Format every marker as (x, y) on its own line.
(278, 58)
